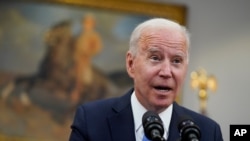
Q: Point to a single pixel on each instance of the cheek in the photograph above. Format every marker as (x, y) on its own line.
(144, 73)
(180, 76)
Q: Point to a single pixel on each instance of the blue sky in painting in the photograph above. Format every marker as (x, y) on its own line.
(22, 28)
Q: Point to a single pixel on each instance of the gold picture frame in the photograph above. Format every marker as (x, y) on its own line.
(42, 102)
(171, 11)
(166, 10)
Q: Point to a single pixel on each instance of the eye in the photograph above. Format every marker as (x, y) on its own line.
(155, 58)
(177, 60)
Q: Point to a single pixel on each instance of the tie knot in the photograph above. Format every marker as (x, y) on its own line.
(145, 138)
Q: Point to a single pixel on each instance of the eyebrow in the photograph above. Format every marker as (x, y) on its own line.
(182, 55)
(156, 50)
(153, 49)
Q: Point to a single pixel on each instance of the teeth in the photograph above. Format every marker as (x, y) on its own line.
(163, 88)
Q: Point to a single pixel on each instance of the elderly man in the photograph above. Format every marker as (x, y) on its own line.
(157, 61)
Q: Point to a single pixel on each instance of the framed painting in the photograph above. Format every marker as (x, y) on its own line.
(58, 54)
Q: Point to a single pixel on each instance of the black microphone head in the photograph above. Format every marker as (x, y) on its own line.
(188, 129)
(151, 121)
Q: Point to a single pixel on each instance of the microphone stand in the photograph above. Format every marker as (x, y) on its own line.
(159, 139)
(188, 140)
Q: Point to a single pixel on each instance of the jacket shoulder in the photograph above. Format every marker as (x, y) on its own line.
(197, 117)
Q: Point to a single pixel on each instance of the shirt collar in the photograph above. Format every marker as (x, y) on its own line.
(139, 110)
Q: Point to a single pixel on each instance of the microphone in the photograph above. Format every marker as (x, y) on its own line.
(153, 126)
(188, 130)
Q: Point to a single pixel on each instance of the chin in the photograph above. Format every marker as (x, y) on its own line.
(164, 104)
(158, 109)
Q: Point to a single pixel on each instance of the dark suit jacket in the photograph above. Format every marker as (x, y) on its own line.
(112, 120)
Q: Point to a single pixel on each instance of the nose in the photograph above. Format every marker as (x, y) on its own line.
(165, 70)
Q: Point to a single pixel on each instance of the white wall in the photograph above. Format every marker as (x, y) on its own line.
(220, 42)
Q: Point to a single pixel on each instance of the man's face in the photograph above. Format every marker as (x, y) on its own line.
(159, 67)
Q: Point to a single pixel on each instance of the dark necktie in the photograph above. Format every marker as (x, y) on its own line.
(145, 138)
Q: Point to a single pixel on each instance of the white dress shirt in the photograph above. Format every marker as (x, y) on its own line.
(138, 111)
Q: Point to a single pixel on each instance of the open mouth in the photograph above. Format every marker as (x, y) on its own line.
(163, 88)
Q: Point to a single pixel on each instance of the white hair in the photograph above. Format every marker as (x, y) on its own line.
(155, 22)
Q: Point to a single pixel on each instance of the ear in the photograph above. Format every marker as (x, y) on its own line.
(130, 64)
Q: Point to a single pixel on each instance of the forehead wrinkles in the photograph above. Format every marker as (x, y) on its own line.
(163, 39)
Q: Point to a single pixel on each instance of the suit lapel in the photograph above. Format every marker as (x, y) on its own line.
(173, 128)
(121, 122)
